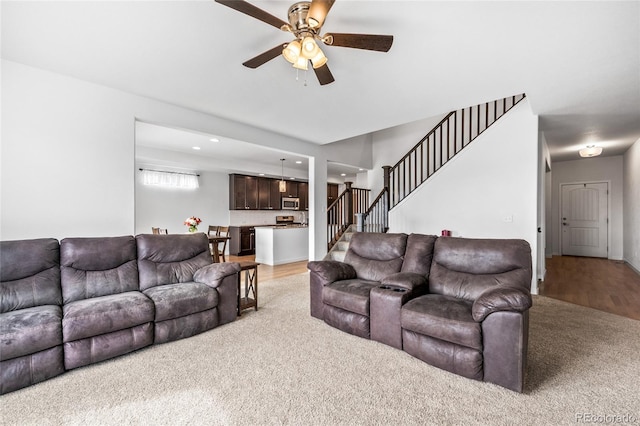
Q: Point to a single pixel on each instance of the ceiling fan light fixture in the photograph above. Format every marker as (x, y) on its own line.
(302, 63)
(590, 151)
(292, 51)
(318, 60)
(309, 47)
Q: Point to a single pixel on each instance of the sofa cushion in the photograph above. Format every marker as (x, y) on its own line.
(30, 330)
(170, 259)
(104, 314)
(93, 267)
(177, 300)
(29, 274)
(443, 317)
(419, 254)
(465, 268)
(350, 295)
(376, 255)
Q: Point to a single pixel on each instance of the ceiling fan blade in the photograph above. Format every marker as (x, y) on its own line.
(318, 12)
(253, 11)
(380, 43)
(324, 75)
(264, 57)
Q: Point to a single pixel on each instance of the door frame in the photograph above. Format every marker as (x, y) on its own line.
(560, 185)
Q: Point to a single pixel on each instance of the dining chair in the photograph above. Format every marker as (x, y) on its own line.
(223, 231)
(161, 231)
(213, 230)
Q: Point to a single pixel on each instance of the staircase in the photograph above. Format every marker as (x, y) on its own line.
(341, 214)
(446, 140)
(454, 133)
(339, 249)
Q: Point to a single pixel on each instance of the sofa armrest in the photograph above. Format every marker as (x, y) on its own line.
(496, 299)
(330, 271)
(213, 275)
(406, 280)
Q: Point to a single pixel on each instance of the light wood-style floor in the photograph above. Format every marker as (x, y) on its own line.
(606, 285)
(267, 272)
(602, 284)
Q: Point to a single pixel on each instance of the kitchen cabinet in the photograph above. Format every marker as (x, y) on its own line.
(243, 192)
(292, 190)
(303, 194)
(332, 193)
(268, 194)
(261, 193)
(242, 240)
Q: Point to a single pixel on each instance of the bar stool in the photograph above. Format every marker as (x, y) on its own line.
(250, 285)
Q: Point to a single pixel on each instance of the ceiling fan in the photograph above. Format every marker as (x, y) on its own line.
(305, 22)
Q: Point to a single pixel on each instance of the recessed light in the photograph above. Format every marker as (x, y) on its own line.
(196, 148)
(261, 174)
(292, 178)
(361, 170)
(214, 140)
(343, 174)
(298, 162)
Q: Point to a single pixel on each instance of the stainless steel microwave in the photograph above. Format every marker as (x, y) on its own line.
(289, 203)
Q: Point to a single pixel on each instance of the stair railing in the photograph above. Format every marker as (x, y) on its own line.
(454, 133)
(341, 213)
(450, 136)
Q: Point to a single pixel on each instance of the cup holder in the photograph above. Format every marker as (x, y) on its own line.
(395, 289)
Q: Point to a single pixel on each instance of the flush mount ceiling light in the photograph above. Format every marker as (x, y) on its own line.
(305, 22)
(590, 151)
(282, 185)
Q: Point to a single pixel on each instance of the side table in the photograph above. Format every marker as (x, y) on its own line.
(250, 286)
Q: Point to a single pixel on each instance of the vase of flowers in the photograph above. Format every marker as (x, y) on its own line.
(193, 223)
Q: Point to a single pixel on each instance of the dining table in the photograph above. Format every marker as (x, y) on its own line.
(213, 241)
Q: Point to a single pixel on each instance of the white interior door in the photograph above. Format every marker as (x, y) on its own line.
(584, 219)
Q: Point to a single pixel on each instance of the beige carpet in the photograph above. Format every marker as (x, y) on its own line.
(281, 366)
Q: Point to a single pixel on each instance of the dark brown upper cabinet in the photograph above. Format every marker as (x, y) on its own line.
(268, 194)
(243, 192)
(303, 194)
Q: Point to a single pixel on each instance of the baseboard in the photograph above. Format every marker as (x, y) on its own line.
(633, 268)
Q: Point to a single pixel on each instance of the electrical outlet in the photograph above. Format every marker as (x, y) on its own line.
(508, 218)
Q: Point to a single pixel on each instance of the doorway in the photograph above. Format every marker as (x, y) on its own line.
(584, 219)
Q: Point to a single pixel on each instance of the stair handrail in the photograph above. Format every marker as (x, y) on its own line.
(341, 213)
(441, 146)
(396, 189)
(376, 217)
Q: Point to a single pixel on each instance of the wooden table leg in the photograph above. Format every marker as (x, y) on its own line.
(239, 278)
(216, 253)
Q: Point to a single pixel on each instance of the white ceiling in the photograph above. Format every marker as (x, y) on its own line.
(578, 62)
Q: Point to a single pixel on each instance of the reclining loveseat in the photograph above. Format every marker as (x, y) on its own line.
(84, 300)
(456, 303)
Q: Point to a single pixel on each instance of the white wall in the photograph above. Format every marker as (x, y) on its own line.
(67, 166)
(494, 178)
(390, 145)
(597, 169)
(631, 206)
(67, 157)
(169, 207)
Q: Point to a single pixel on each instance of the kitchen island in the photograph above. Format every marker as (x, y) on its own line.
(276, 245)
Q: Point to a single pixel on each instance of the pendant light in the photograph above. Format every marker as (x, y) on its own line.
(282, 185)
